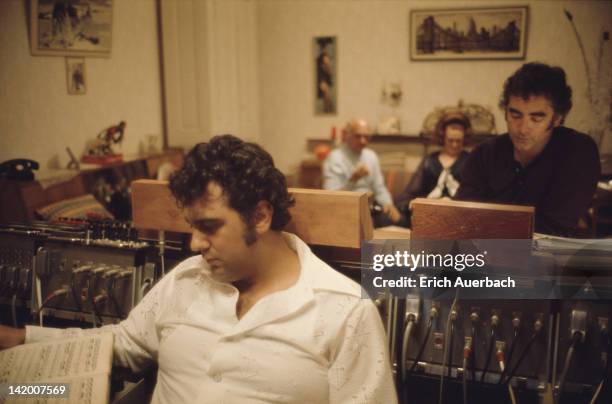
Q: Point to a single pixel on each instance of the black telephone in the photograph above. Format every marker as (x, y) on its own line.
(18, 169)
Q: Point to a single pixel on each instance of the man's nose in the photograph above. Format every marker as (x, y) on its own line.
(524, 126)
(199, 242)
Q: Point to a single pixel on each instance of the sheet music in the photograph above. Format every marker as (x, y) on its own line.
(84, 363)
(545, 241)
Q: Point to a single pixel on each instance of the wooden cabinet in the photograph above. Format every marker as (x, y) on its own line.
(19, 200)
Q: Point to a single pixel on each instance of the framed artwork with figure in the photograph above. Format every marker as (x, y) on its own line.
(75, 75)
(71, 27)
(326, 82)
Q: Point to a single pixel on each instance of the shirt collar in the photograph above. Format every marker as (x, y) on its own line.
(350, 152)
(315, 276)
(284, 303)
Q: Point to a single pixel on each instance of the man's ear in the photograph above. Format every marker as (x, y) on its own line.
(262, 217)
(557, 120)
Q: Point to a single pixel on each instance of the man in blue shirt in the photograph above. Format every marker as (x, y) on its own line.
(355, 167)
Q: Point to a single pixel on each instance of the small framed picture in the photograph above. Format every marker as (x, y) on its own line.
(75, 76)
(325, 61)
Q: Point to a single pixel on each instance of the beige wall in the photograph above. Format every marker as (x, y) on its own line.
(39, 118)
(373, 48)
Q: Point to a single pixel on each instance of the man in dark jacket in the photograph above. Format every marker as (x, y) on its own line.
(538, 162)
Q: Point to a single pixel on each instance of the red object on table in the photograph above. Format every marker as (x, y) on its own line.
(102, 160)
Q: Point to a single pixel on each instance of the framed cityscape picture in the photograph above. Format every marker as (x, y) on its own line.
(71, 27)
(468, 33)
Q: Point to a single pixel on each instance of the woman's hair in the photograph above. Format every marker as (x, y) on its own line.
(453, 117)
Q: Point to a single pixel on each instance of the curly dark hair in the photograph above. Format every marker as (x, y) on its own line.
(541, 80)
(244, 170)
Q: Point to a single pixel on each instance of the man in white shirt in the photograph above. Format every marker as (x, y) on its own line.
(355, 167)
(256, 317)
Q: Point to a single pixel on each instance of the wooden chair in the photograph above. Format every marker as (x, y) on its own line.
(322, 218)
(437, 219)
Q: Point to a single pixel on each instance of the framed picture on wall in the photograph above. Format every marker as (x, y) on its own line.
(326, 81)
(75, 76)
(71, 27)
(468, 33)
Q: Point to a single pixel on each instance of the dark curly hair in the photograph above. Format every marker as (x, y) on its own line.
(244, 170)
(541, 80)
